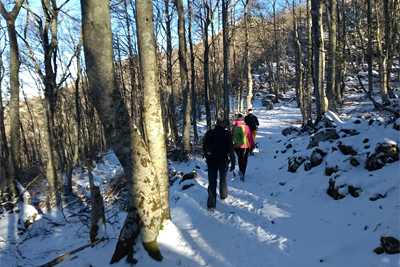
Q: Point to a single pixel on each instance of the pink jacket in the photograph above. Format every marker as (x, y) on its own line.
(248, 134)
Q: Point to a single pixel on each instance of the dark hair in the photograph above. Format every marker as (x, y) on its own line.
(240, 115)
(221, 122)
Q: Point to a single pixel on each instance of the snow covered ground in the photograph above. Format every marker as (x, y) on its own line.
(273, 218)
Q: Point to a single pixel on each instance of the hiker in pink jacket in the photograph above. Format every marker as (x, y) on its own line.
(243, 143)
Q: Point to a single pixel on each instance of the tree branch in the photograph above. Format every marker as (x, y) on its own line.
(63, 256)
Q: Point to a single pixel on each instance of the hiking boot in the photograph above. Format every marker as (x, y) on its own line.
(211, 210)
(241, 175)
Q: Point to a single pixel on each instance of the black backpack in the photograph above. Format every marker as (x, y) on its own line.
(249, 120)
(214, 146)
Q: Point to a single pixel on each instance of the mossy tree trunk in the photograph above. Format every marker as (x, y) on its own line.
(144, 214)
(152, 117)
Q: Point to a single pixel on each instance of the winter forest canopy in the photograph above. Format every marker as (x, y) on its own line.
(138, 77)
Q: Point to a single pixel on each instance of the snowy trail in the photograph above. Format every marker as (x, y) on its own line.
(274, 218)
(244, 217)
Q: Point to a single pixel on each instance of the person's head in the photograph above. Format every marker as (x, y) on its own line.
(249, 111)
(221, 122)
(240, 117)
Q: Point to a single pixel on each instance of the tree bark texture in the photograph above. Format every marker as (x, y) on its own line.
(332, 55)
(226, 44)
(319, 57)
(15, 139)
(309, 64)
(193, 74)
(249, 79)
(4, 155)
(171, 118)
(187, 96)
(298, 67)
(152, 117)
(144, 204)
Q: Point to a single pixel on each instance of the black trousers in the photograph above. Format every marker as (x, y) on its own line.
(213, 169)
(242, 154)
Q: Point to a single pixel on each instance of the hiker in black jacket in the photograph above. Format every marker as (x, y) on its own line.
(217, 147)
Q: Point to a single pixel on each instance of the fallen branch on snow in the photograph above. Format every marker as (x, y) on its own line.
(63, 256)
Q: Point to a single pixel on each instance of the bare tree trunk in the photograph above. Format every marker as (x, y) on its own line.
(369, 49)
(215, 90)
(342, 66)
(277, 86)
(319, 57)
(309, 64)
(49, 40)
(249, 80)
(15, 154)
(170, 89)
(4, 155)
(391, 20)
(143, 218)
(380, 36)
(187, 104)
(71, 165)
(206, 71)
(299, 73)
(152, 117)
(331, 70)
(226, 45)
(193, 74)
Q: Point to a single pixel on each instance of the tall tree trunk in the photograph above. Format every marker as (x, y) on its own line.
(170, 89)
(49, 40)
(152, 117)
(193, 74)
(344, 60)
(319, 57)
(159, 202)
(187, 104)
(144, 214)
(277, 86)
(215, 92)
(206, 71)
(309, 64)
(382, 52)
(50, 50)
(370, 56)
(391, 20)
(4, 155)
(75, 157)
(15, 139)
(249, 80)
(226, 44)
(299, 73)
(331, 70)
